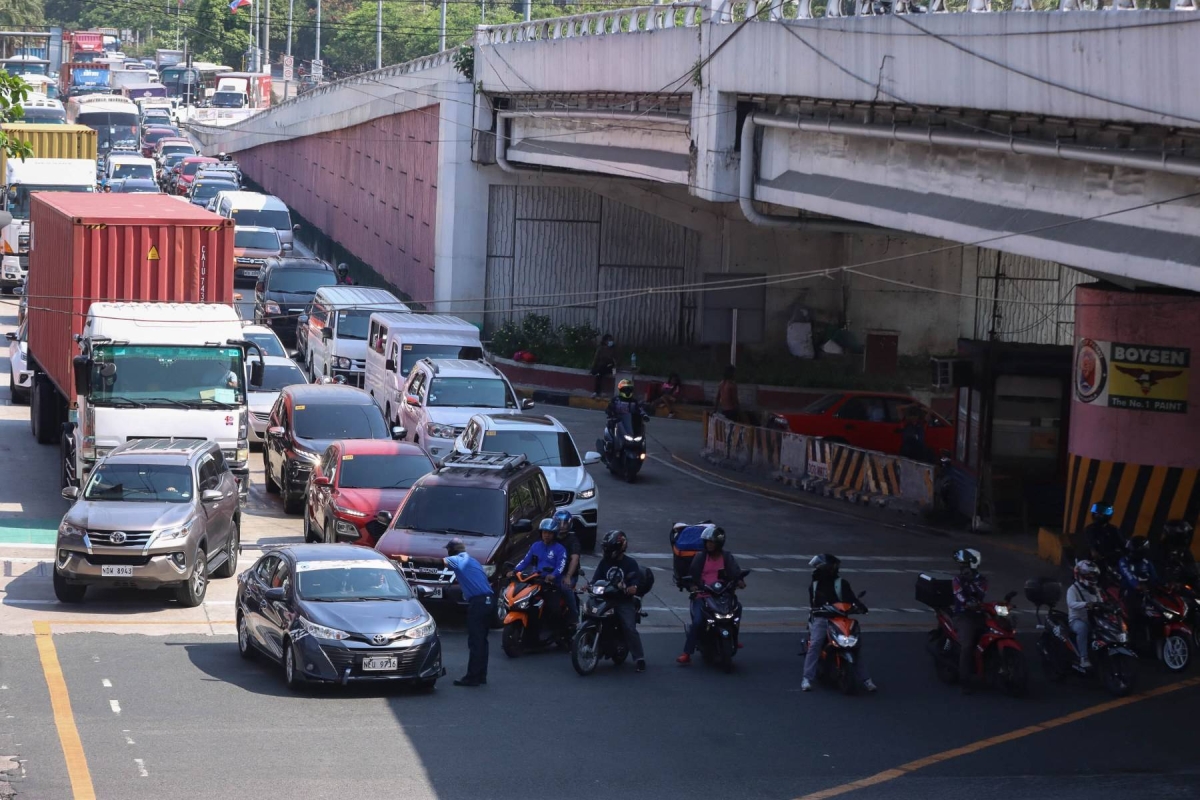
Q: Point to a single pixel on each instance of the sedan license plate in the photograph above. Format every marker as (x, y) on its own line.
(116, 571)
(380, 663)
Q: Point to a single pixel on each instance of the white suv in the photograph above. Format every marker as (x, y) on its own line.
(442, 394)
(547, 444)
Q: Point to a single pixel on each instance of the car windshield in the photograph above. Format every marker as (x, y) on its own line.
(180, 147)
(299, 281)
(228, 100)
(353, 324)
(268, 342)
(382, 472)
(279, 376)
(125, 482)
(340, 421)
(256, 240)
(152, 137)
(542, 448)
(824, 404)
(162, 376)
(470, 393)
(208, 190)
(276, 218)
(412, 353)
(191, 167)
(139, 171)
(467, 510)
(345, 581)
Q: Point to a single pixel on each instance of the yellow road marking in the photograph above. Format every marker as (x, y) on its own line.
(64, 719)
(983, 744)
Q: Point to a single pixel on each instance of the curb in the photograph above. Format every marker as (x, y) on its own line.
(554, 397)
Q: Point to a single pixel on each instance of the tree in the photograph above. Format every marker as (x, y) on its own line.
(12, 91)
(21, 13)
(217, 35)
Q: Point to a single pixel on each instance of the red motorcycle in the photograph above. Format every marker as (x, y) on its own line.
(1160, 625)
(999, 659)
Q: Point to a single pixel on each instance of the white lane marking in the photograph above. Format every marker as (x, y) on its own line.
(106, 683)
(128, 738)
(141, 767)
(115, 706)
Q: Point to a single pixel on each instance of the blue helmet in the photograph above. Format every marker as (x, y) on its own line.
(563, 519)
(548, 524)
(1102, 509)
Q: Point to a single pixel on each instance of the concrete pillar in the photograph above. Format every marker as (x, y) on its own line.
(714, 130)
(1135, 414)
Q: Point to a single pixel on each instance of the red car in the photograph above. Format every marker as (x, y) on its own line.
(870, 420)
(186, 172)
(354, 480)
(153, 135)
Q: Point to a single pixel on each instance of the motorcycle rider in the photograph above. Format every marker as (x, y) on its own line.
(970, 587)
(548, 557)
(343, 275)
(567, 538)
(1177, 561)
(1081, 598)
(705, 570)
(828, 587)
(624, 403)
(616, 567)
(1105, 540)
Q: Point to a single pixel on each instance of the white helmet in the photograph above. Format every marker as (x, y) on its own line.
(967, 557)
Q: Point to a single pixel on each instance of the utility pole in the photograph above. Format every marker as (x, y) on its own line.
(267, 38)
(482, 12)
(528, 10)
(379, 35)
(442, 38)
(291, 7)
(317, 55)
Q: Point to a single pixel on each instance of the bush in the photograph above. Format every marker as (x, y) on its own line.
(565, 345)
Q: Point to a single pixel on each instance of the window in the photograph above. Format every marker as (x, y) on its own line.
(864, 409)
(382, 472)
(126, 482)
(541, 496)
(266, 568)
(352, 323)
(521, 504)
(415, 352)
(282, 578)
(210, 478)
(340, 421)
(253, 239)
(277, 413)
(468, 510)
(416, 386)
(269, 343)
(279, 376)
(470, 393)
(299, 281)
(329, 462)
(543, 448)
(319, 314)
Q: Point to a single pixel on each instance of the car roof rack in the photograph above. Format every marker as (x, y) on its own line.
(496, 461)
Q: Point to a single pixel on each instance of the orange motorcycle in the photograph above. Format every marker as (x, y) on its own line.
(840, 650)
(536, 615)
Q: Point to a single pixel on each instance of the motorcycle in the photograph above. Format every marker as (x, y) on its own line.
(1159, 626)
(718, 641)
(1179, 572)
(536, 616)
(999, 658)
(840, 651)
(599, 635)
(1112, 660)
(623, 446)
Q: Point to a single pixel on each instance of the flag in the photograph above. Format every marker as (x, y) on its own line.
(234, 5)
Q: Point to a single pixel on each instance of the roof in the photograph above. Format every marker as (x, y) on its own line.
(330, 552)
(499, 420)
(93, 208)
(411, 319)
(200, 160)
(256, 200)
(355, 296)
(459, 367)
(166, 312)
(380, 447)
(272, 361)
(329, 393)
(298, 262)
(128, 158)
(254, 229)
(184, 448)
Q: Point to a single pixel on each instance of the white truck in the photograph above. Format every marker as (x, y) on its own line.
(21, 180)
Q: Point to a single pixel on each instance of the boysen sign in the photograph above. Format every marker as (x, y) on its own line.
(1132, 376)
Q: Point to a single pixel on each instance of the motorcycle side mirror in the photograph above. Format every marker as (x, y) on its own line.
(1008, 597)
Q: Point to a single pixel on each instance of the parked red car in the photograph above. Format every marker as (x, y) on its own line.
(870, 420)
(354, 480)
(187, 169)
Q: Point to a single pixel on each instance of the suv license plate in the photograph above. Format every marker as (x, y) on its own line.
(380, 663)
(116, 571)
(435, 593)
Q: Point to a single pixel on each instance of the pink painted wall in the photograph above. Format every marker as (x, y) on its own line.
(372, 188)
(1138, 437)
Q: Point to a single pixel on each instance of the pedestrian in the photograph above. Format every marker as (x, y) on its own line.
(604, 362)
(727, 396)
(912, 435)
(481, 607)
(665, 395)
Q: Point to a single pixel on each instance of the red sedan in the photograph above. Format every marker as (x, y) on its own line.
(187, 169)
(354, 480)
(870, 420)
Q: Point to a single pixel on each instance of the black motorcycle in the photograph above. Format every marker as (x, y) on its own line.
(623, 446)
(1113, 662)
(599, 635)
(718, 639)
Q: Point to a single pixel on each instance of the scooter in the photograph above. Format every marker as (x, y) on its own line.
(600, 635)
(536, 616)
(1159, 625)
(623, 446)
(718, 640)
(1113, 662)
(840, 651)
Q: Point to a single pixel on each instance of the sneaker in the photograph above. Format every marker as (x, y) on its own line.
(671, 415)
(1085, 664)
(641, 665)
(870, 686)
(684, 659)
(805, 685)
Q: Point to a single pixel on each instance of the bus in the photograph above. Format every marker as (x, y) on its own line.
(114, 119)
(192, 83)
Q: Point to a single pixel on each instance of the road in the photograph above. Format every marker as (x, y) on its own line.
(160, 704)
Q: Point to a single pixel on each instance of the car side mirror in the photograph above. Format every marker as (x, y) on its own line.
(424, 591)
(275, 430)
(384, 518)
(70, 493)
(258, 287)
(399, 432)
(11, 336)
(522, 526)
(390, 365)
(20, 290)
(321, 480)
(83, 374)
(256, 373)
(526, 405)
(591, 457)
(276, 594)
(302, 319)
(287, 245)
(327, 333)
(296, 228)
(412, 400)
(211, 496)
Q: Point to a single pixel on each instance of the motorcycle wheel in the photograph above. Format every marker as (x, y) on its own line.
(510, 641)
(1175, 652)
(1119, 674)
(585, 654)
(1012, 672)
(847, 681)
(725, 653)
(1051, 668)
(618, 657)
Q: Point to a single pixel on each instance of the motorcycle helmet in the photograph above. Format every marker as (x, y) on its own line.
(1102, 511)
(548, 524)
(1177, 534)
(968, 558)
(826, 564)
(1138, 547)
(625, 389)
(712, 533)
(562, 518)
(1087, 573)
(614, 543)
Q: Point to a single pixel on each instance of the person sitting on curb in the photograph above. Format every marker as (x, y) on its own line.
(665, 395)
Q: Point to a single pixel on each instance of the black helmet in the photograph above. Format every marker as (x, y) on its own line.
(713, 533)
(1177, 533)
(1138, 547)
(968, 558)
(614, 542)
(826, 564)
(1102, 510)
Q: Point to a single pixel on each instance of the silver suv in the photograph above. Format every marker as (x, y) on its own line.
(154, 513)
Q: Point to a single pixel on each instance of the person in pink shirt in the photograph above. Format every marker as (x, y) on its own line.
(707, 568)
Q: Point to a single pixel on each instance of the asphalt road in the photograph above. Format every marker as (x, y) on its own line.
(163, 706)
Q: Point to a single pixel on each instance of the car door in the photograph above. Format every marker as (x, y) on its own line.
(320, 497)
(412, 413)
(257, 580)
(277, 614)
(275, 444)
(259, 290)
(228, 486)
(857, 418)
(216, 526)
(520, 505)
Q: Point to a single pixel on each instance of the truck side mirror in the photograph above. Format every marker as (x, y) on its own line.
(83, 374)
(390, 365)
(5, 219)
(256, 373)
(327, 333)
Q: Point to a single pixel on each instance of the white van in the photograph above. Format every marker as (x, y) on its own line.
(395, 342)
(260, 210)
(337, 320)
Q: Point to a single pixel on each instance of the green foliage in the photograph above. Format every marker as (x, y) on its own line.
(564, 345)
(219, 36)
(464, 61)
(12, 91)
(15, 14)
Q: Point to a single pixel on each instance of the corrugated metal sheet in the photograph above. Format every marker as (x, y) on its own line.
(372, 188)
(555, 265)
(51, 141)
(87, 247)
(1042, 295)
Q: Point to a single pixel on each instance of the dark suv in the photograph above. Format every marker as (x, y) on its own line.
(493, 502)
(304, 421)
(284, 290)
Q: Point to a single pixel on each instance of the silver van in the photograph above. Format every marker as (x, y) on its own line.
(260, 210)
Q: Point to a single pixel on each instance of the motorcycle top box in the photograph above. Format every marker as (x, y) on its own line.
(935, 592)
(685, 544)
(1043, 591)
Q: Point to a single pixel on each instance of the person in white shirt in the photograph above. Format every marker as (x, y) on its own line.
(1081, 597)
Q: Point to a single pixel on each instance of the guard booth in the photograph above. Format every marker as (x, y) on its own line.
(1008, 470)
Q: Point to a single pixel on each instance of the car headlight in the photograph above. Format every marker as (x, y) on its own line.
(420, 631)
(845, 641)
(346, 528)
(587, 494)
(307, 457)
(272, 308)
(439, 431)
(349, 512)
(243, 431)
(320, 631)
(242, 455)
(1001, 610)
(175, 532)
(68, 531)
(341, 362)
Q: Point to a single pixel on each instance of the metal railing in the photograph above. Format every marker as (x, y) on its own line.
(731, 11)
(636, 19)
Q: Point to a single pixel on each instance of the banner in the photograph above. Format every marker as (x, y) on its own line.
(1134, 377)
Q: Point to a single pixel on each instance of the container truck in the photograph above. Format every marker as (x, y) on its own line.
(130, 329)
(64, 160)
(83, 46)
(77, 78)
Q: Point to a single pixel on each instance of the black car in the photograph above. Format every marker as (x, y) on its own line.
(284, 290)
(304, 421)
(336, 613)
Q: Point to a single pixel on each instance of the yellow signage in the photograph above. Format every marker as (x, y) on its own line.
(1136, 377)
(153, 254)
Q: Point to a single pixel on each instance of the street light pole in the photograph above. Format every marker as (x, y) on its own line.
(379, 35)
(317, 55)
(442, 38)
(291, 6)
(528, 10)
(267, 38)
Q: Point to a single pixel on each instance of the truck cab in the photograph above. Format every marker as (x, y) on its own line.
(21, 180)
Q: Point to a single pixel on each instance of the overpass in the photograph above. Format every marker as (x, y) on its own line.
(563, 164)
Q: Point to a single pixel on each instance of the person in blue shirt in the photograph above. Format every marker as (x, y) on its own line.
(1136, 568)
(481, 608)
(548, 559)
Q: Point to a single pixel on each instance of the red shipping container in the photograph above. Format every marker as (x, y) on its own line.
(94, 247)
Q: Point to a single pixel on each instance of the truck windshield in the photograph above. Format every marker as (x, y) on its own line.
(353, 324)
(228, 100)
(412, 353)
(167, 376)
(123, 482)
(19, 206)
(113, 129)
